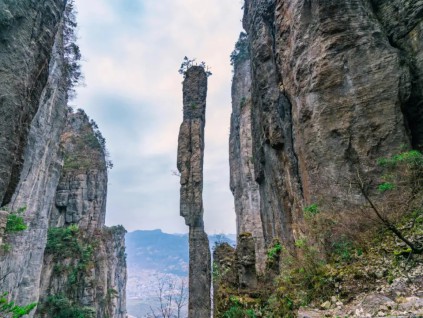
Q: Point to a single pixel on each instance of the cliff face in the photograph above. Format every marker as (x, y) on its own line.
(53, 168)
(243, 185)
(321, 91)
(84, 262)
(27, 32)
(41, 166)
(402, 23)
(330, 83)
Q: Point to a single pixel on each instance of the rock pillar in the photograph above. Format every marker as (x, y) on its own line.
(190, 165)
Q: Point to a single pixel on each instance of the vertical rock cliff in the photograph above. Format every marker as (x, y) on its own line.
(190, 165)
(329, 92)
(59, 204)
(27, 31)
(84, 264)
(402, 24)
(242, 177)
(40, 166)
(321, 91)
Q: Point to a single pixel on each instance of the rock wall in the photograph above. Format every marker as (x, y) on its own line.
(242, 176)
(402, 23)
(21, 266)
(27, 33)
(331, 82)
(190, 165)
(85, 262)
(38, 149)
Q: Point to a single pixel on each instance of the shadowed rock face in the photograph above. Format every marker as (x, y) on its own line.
(402, 22)
(27, 34)
(42, 163)
(190, 165)
(334, 86)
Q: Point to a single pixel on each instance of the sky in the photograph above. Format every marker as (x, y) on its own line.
(132, 50)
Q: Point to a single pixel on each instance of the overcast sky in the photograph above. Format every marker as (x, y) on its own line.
(132, 50)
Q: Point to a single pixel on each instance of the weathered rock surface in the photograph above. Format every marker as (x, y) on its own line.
(33, 98)
(190, 165)
(246, 262)
(328, 93)
(403, 24)
(40, 173)
(93, 275)
(27, 33)
(242, 182)
(82, 190)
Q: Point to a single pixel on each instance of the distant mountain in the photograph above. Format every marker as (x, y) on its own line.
(152, 255)
(162, 252)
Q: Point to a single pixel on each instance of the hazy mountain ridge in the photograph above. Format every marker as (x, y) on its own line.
(151, 255)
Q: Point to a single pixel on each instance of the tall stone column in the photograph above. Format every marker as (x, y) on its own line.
(190, 165)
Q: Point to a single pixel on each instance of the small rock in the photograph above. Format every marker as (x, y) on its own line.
(383, 308)
(339, 304)
(381, 314)
(334, 299)
(326, 305)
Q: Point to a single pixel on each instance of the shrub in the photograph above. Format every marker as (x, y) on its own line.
(9, 308)
(303, 280)
(274, 251)
(63, 241)
(187, 63)
(386, 186)
(15, 222)
(59, 306)
(240, 53)
(311, 210)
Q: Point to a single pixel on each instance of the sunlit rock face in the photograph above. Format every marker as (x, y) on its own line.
(335, 85)
(190, 165)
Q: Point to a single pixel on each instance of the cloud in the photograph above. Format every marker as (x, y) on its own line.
(133, 50)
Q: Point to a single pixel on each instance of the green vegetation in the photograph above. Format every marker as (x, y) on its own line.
(386, 186)
(412, 158)
(89, 148)
(274, 251)
(15, 222)
(73, 256)
(311, 210)
(72, 53)
(240, 53)
(342, 253)
(59, 306)
(63, 241)
(11, 310)
(187, 63)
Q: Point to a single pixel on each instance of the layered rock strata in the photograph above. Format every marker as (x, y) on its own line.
(190, 166)
(331, 82)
